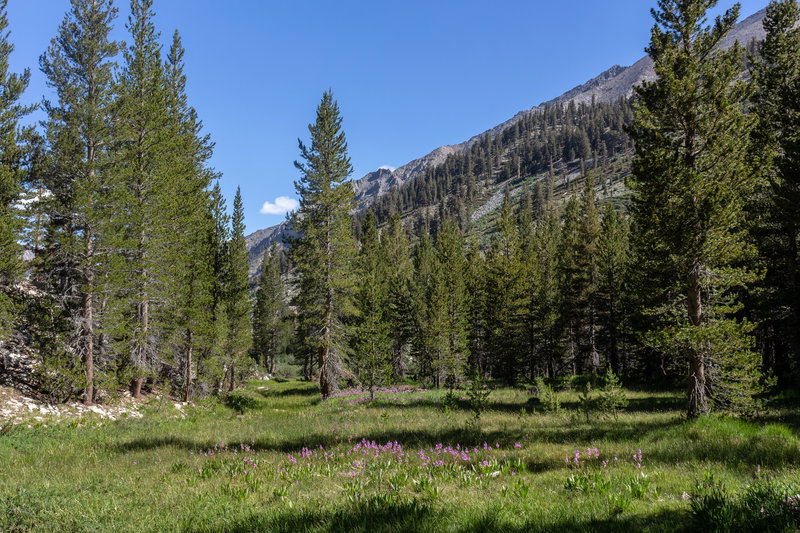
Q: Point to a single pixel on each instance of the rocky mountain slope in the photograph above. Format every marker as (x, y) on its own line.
(609, 86)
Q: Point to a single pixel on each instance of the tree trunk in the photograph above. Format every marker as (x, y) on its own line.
(697, 377)
(136, 387)
(188, 390)
(141, 349)
(88, 356)
(613, 335)
(324, 384)
(794, 295)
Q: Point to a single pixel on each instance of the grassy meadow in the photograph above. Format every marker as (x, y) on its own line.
(276, 458)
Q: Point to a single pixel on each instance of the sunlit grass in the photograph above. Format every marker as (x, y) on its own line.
(243, 468)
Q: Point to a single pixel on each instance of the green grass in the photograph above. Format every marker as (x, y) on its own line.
(151, 474)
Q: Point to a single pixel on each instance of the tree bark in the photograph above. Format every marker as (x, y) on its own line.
(324, 384)
(794, 296)
(141, 348)
(697, 377)
(188, 391)
(88, 356)
(136, 387)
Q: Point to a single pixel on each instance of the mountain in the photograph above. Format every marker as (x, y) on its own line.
(258, 241)
(616, 82)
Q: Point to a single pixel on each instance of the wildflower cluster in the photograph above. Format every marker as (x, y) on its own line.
(591, 457)
(637, 458)
(235, 460)
(352, 460)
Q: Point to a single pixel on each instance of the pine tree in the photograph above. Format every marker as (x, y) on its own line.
(612, 265)
(325, 251)
(141, 194)
(372, 343)
(690, 181)
(447, 316)
(571, 282)
(612, 396)
(526, 230)
(588, 233)
(196, 235)
(12, 154)
(546, 283)
(78, 66)
(268, 310)
(396, 252)
(505, 298)
(424, 263)
(776, 79)
(475, 279)
(236, 296)
(217, 236)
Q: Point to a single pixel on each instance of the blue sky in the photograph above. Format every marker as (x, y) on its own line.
(409, 76)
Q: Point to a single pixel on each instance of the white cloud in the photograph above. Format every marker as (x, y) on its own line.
(282, 205)
(387, 167)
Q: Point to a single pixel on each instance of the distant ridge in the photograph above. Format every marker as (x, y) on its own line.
(609, 86)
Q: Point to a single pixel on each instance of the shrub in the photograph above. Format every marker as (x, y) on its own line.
(242, 400)
(586, 401)
(766, 505)
(612, 395)
(478, 395)
(547, 396)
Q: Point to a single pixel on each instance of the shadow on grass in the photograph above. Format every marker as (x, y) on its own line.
(770, 451)
(790, 419)
(672, 520)
(369, 516)
(372, 517)
(644, 405)
(295, 391)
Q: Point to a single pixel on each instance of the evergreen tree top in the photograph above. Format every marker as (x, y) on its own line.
(81, 53)
(326, 160)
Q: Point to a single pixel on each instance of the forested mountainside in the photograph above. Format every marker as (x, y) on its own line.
(539, 159)
(444, 175)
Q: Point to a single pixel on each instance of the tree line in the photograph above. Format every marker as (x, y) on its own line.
(695, 277)
(112, 213)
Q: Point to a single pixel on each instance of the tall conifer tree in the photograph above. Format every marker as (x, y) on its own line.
(142, 193)
(372, 343)
(448, 307)
(776, 77)
(475, 280)
(325, 251)
(588, 234)
(612, 271)
(268, 310)
(194, 241)
(505, 297)
(238, 305)
(12, 155)
(690, 180)
(78, 66)
(548, 325)
(396, 252)
(571, 282)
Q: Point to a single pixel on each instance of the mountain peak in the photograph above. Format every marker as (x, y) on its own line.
(609, 86)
